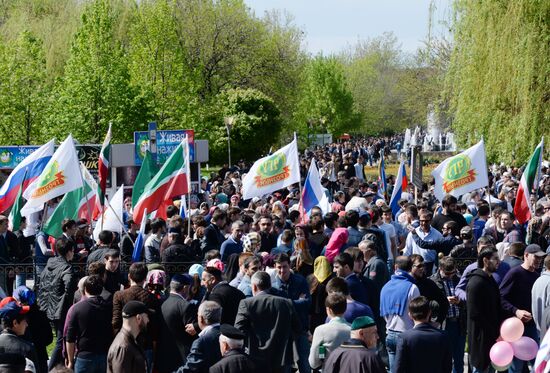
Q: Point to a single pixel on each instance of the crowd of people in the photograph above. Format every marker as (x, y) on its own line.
(254, 285)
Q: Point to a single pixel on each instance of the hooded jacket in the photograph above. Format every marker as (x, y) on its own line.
(484, 316)
(57, 286)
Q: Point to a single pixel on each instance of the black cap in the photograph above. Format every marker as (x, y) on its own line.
(231, 332)
(173, 230)
(134, 308)
(535, 249)
(184, 279)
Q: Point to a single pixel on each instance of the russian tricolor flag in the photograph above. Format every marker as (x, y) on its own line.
(400, 186)
(313, 193)
(34, 164)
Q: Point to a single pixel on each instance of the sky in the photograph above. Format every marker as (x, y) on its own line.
(332, 25)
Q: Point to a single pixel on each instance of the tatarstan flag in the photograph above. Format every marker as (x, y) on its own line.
(171, 181)
(522, 208)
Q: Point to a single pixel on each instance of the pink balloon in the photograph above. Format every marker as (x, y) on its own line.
(511, 329)
(525, 348)
(502, 353)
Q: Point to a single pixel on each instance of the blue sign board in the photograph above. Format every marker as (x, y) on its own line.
(11, 156)
(167, 142)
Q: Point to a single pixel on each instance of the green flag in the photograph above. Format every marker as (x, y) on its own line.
(148, 170)
(77, 204)
(15, 213)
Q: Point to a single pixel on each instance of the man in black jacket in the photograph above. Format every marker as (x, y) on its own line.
(222, 293)
(269, 322)
(9, 247)
(422, 348)
(484, 309)
(174, 342)
(233, 357)
(446, 279)
(57, 287)
(213, 236)
(14, 325)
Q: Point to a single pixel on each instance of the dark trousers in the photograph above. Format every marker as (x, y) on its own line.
(57, 353)
(458, 342)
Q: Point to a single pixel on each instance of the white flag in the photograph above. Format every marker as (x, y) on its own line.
(462, 173)
(273, 172)
(61, 175)
(111, 219)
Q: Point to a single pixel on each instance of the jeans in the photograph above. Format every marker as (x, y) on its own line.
(391, 345)
(389, 263)
(517, 364)
(149, 359)
(57, 357)
(92, 363)
(302, 347)
(458, 342)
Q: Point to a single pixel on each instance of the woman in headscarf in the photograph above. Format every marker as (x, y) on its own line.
(322, 273)
(156, 283)
(337, 243)
(196, 292)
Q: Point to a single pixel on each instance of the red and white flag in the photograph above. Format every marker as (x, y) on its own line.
(528, 183)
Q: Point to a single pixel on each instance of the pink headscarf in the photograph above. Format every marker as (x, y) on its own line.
(338, 239)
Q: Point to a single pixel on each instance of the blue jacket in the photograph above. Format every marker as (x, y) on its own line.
(356, 288)
(423, 349)
(229, 247)
(205, 352)
(297, 285)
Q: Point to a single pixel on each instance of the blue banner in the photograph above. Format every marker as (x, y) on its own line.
(11, 156)
(167, 141)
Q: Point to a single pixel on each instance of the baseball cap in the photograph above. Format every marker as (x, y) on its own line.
(134, 308)
(11, 310)
(362, 323)
(534, 249)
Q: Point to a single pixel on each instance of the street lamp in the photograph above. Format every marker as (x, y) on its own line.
(228, 124)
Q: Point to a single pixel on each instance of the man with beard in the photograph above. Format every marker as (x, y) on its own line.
(125, 354)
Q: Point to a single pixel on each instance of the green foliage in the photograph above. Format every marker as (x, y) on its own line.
(498, 79)
(95, 89)
(256, 123)
(24, 91)
(326, 103)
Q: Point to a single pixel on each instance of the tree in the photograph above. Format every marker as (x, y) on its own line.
(326, 103)
(498, 82)
(24, 91)
(157, 64)
(95, 88)
(256, 124)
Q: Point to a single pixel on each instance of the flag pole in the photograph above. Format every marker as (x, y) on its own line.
(299, 185)
(188, 178)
